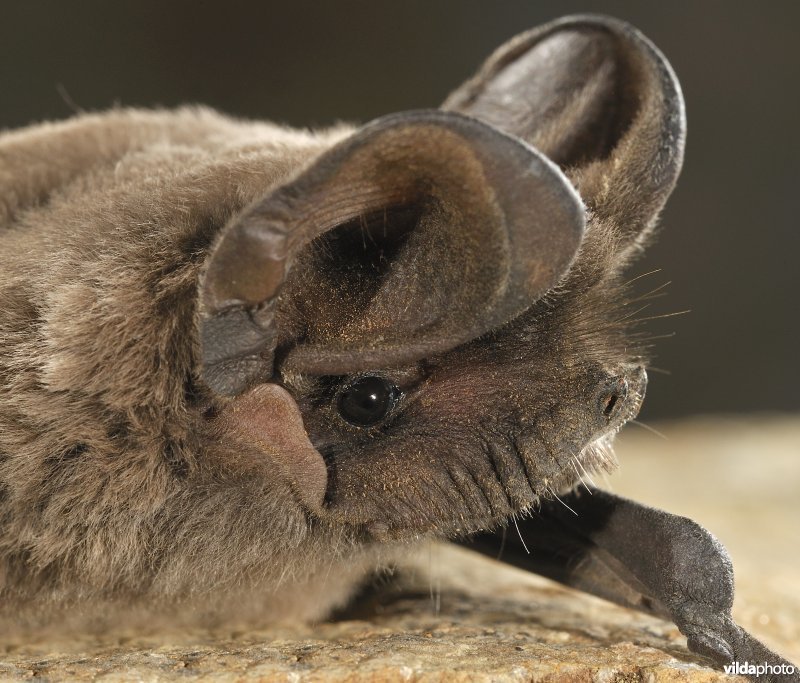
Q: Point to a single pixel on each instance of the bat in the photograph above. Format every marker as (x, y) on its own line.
(238, 359)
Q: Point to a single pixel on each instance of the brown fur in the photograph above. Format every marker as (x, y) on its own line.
(124, 476)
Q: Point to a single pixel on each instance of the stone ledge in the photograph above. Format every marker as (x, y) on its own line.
(526, 629)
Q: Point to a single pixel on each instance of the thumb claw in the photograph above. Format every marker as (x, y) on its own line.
(710, 645)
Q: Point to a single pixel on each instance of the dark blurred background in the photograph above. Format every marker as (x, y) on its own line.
(729, 243)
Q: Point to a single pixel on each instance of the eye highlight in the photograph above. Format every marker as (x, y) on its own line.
(367, 400)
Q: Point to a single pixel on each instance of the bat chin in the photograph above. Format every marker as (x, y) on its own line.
(576, 471)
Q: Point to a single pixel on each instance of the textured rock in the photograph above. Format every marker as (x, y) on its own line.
(463, 618)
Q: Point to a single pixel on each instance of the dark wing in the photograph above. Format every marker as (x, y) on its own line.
(638, 557)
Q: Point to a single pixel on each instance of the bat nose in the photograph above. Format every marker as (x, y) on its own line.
(613, 393)
(611, 397)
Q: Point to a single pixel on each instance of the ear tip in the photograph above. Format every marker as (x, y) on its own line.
(649, 122)
(617, 30)
(629, 36)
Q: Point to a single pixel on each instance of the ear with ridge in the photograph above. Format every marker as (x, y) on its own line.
(600, 100)
(421, 231)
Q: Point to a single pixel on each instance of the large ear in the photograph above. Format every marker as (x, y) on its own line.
(597, 98)
(421, 231)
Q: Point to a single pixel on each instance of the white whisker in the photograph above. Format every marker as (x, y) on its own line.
(575, 467)
(588, 476)
(522, 540)
(649, 429)
(563, 503)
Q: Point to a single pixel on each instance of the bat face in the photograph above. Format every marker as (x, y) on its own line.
(463, 439)
(229, 349)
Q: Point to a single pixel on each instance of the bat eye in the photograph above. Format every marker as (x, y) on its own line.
(367, 400)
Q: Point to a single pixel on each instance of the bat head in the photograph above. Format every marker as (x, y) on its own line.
(248, 340)
(443, 301)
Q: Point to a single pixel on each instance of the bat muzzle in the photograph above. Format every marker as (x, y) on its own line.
(619, 398)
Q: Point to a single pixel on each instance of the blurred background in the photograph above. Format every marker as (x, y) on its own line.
(729, 242)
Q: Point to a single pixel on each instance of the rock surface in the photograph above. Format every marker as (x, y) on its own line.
(464, 618)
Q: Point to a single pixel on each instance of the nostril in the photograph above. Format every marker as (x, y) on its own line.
(612, 397)
(610, 402)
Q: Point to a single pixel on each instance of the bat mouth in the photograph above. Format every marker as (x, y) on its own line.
(576, 466)
(597, 457)
(570, 469)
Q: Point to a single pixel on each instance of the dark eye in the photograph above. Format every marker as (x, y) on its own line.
(367, 400)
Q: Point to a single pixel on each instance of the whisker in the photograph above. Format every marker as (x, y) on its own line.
(653, 293)
(519, 533)
(639, 277)
(434, 578)
(662, 315)
(650, 296)
(555, 495)
(632, 313)
(362, 219)
(652, 337)
(575, 467)
(430, 569)
(649, 429)
(437, 605)
(585, 471)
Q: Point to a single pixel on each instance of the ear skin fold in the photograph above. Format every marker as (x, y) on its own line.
(599, 99)
(498, 226)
